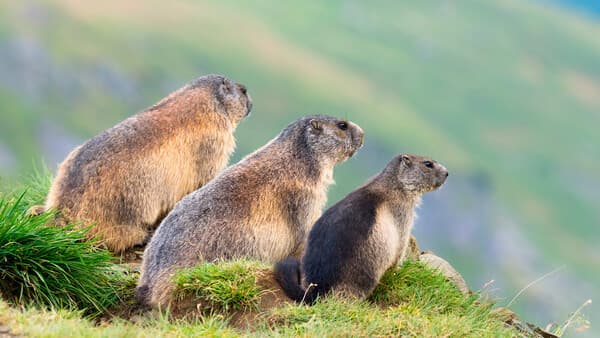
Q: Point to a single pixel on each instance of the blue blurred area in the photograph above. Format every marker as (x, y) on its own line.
(589, 6)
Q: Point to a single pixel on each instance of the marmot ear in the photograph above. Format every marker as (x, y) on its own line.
(316, 125)
(223, 90)
(404, 159)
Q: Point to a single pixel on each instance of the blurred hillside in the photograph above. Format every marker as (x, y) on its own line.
(505, 93)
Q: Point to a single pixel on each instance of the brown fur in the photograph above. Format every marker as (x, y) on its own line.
(127, 178)
(260, 208)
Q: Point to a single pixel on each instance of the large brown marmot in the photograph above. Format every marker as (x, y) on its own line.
(261, 207)
(127, 178)
(363, 235)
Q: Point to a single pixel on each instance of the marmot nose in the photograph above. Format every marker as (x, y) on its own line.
(248, 105)
(358, 135)
(242, 88)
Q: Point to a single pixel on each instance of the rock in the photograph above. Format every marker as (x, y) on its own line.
(527, 329)
(504, 314)
(437, 263)
(446, 269)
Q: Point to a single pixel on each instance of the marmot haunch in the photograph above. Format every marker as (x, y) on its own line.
(127, 178)
(261, 207)
(359, 238)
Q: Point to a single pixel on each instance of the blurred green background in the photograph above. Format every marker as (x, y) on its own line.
(505, 93)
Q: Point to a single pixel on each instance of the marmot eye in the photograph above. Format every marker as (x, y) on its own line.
(428, 164)
(342, 125)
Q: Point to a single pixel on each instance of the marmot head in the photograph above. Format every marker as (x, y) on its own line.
(329, 138)
(415, 174)
(211, 93)
(230, 99)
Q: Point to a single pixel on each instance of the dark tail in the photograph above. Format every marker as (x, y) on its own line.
(142, 294)
(288, 275)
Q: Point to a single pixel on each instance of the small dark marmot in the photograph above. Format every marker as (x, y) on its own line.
(359, 238)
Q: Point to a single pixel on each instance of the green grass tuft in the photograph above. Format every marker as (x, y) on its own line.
(35, 185)
(422, 286)
(223, 286)
(51, 266)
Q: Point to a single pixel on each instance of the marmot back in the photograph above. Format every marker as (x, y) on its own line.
(128, 177)
(261, 207)
(359, 238)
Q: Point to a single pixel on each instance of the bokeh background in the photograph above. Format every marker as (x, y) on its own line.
(505, 93)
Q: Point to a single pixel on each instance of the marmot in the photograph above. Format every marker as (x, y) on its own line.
(127, 178)
(261, 207)
(359, 238)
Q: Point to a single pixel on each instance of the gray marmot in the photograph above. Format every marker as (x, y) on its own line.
(359, 238)
(125, 180)
(261, 207)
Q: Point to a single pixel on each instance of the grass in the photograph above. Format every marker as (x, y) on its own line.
(65, 323)
(32, 187)
(51, 266)
(435, 309)
(226, 286)
(363, 319)
(412, 300)
(415, 283)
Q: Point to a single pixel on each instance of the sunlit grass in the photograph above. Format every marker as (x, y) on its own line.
(50, 266)
(223, 286)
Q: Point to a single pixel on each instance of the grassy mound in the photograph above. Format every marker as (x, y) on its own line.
(51, 266)
(416, 283)
(223, 287)
(411, 300)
